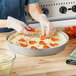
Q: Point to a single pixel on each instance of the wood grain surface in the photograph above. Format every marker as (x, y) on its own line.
(42, 66)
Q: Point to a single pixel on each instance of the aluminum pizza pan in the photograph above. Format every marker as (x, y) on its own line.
(36, 52)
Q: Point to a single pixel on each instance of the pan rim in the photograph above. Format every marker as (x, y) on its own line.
(12, 32)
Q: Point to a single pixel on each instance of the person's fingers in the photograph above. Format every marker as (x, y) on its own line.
(50, 29)
(18, 28)
(26, 32)
(25, 26)
(43, 29)
(54, 30)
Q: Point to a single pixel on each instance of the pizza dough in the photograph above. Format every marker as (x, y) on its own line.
(37, 41)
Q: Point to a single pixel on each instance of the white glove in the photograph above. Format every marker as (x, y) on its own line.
(18, 25)
(46, 26)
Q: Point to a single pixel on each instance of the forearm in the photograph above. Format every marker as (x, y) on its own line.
(34, 11)
(3, 23)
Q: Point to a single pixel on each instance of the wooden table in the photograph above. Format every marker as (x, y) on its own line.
(42, 66)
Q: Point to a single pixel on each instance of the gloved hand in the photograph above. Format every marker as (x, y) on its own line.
(18, 25)
(46, 25)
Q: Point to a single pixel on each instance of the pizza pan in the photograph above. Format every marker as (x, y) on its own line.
(36, 52)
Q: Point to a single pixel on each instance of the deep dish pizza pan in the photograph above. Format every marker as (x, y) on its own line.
(36, 52)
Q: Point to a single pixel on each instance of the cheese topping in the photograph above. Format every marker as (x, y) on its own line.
(37, 41)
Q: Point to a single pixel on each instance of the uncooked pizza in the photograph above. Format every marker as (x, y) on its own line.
(37, 41)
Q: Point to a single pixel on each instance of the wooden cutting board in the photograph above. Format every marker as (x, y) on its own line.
(42, 66)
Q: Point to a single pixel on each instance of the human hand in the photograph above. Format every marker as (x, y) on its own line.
(19, 26)
(46, 26)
